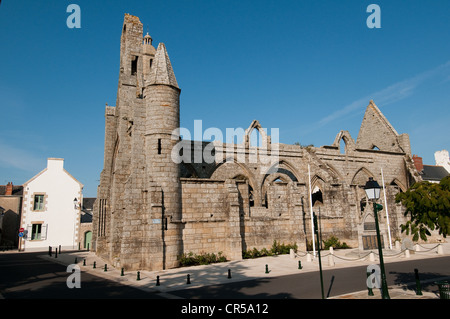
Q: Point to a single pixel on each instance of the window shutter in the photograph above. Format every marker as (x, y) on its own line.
(27, 234)
(44, 232)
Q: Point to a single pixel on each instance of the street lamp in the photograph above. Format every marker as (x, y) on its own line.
(372, 190)
(75, 203)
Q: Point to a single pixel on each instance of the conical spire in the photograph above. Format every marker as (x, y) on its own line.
(162, 72)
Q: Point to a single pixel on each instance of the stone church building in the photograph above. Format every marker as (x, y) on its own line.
(154, 203)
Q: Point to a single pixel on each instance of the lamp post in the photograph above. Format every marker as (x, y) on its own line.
(316, 231)
(372, 190)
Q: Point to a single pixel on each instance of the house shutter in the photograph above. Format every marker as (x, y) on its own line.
(27, 233)
(44, 232)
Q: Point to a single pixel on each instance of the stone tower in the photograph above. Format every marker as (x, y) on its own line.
(162, 104)
(138, 201)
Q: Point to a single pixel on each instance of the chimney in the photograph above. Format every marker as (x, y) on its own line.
(418, 162)
(9, 189)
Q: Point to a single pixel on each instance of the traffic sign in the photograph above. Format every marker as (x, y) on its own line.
(20, 234)
(21, 230)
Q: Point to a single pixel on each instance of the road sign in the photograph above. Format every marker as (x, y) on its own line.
(21, 230)
(21, 234)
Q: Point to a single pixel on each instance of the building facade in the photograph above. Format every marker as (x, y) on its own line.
(161, 196)
(51, 209)
(10, 212)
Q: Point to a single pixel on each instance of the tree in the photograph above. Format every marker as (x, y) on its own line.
(428, 205)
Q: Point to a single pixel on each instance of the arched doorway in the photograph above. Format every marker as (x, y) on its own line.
(87, 240)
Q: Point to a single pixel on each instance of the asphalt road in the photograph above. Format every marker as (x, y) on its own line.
(335, 282)
(26, 276)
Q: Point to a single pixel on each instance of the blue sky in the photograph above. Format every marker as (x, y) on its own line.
(308, 68)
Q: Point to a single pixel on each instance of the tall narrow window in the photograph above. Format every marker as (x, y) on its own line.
(342, 146)
(38, 202)
(134, 61)
(159, 146)
(151, 62)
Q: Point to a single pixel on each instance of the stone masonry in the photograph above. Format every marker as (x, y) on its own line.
(151, 208)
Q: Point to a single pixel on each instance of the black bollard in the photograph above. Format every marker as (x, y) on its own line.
(157, 280)
(419, 287)
(56, 252)
(229, 273)
(50, 251)
(59, 249)
(106, 267)
(121, 272)
(188, 279)
(94, 264)
(138, 275)
(300, 265)
(84, 262)
(76, 260)
(267, 269)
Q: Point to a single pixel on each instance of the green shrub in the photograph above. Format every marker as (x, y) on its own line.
(277, 249)
(335, 243)
(192, 259)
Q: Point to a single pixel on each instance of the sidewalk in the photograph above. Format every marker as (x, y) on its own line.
(176, 279)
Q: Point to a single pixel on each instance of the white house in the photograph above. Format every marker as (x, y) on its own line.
(442, 159)
(51, 209)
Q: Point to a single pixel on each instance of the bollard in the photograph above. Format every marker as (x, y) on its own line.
(59, 249)
(106, 267)
(267, 269)
(56, 252)
(50, 251)
(229, 273)
(407, 255)
(370, 292)
(331, 260)
(121, 272)
(188, 279)
(94, 264)
(138, 276)
(300, 265)
(419, 287)
(84, 262)
(157, 281)
(76, 260)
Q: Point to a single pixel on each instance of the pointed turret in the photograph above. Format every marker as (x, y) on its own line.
(162, 102)
(162, 72)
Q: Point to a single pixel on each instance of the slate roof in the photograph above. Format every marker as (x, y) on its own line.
(17, 190)
(86, 211)
(433, 173)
